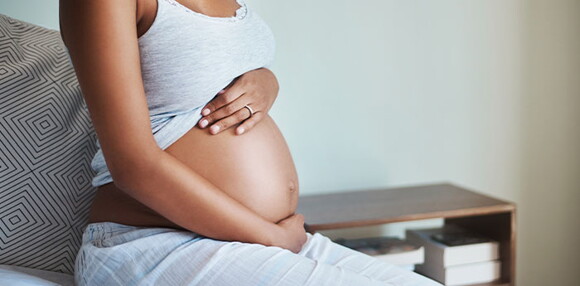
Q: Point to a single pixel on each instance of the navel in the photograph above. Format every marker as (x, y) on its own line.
(292, 187)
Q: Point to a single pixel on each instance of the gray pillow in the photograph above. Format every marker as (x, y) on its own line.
(46, 145)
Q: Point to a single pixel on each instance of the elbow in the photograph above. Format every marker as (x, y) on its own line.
(132, 175)
(123, 180)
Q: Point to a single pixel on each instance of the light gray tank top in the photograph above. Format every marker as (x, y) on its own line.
(186, 59)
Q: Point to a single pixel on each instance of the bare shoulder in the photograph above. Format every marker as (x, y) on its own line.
(75, 15)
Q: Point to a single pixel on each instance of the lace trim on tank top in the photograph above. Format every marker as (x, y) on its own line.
(240, 13)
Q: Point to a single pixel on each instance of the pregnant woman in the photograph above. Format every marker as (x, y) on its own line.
(195, 182)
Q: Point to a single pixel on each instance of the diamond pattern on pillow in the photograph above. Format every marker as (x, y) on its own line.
(46, 145)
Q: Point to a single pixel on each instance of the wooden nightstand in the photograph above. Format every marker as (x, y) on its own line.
(489, 216)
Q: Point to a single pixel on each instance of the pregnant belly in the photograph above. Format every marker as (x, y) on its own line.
(255, 168)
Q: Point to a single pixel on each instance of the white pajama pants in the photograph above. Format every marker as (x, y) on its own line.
(118, 254)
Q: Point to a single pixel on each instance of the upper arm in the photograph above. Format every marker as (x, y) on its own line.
(101, 37)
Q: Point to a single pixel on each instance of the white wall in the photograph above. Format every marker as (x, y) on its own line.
(482, 93)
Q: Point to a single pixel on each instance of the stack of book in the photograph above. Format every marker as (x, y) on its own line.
(455, 256)
(392, 250)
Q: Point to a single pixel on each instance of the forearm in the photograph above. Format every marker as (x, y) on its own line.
(181, 195)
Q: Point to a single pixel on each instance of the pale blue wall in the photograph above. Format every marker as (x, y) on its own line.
(482, 93)
(381, 92)
(39, 12)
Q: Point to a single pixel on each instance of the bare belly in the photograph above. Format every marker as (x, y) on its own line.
(255, 168)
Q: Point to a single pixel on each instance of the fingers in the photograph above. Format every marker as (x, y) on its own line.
(300, 218)
(256, 88)
(294, 235)
(212, 105)
(296, 218)
(225, 123)
(249, 123)
(223, 97)
(225, 111)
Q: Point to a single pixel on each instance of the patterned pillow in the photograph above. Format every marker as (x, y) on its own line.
(46, 145)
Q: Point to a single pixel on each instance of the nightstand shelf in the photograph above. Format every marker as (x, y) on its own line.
(489, 216)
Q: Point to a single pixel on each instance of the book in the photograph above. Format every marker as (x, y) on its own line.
(463, 246)
(392, 250)
(463, 274)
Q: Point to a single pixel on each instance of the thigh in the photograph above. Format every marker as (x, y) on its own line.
(323, 250)
(114, 254)
(237, 263)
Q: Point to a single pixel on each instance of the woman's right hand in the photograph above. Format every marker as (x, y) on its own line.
(293, 235)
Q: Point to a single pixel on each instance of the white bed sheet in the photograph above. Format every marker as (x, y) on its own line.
(24, 276)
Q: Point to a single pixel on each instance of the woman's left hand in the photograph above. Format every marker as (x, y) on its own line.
(256, 88)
